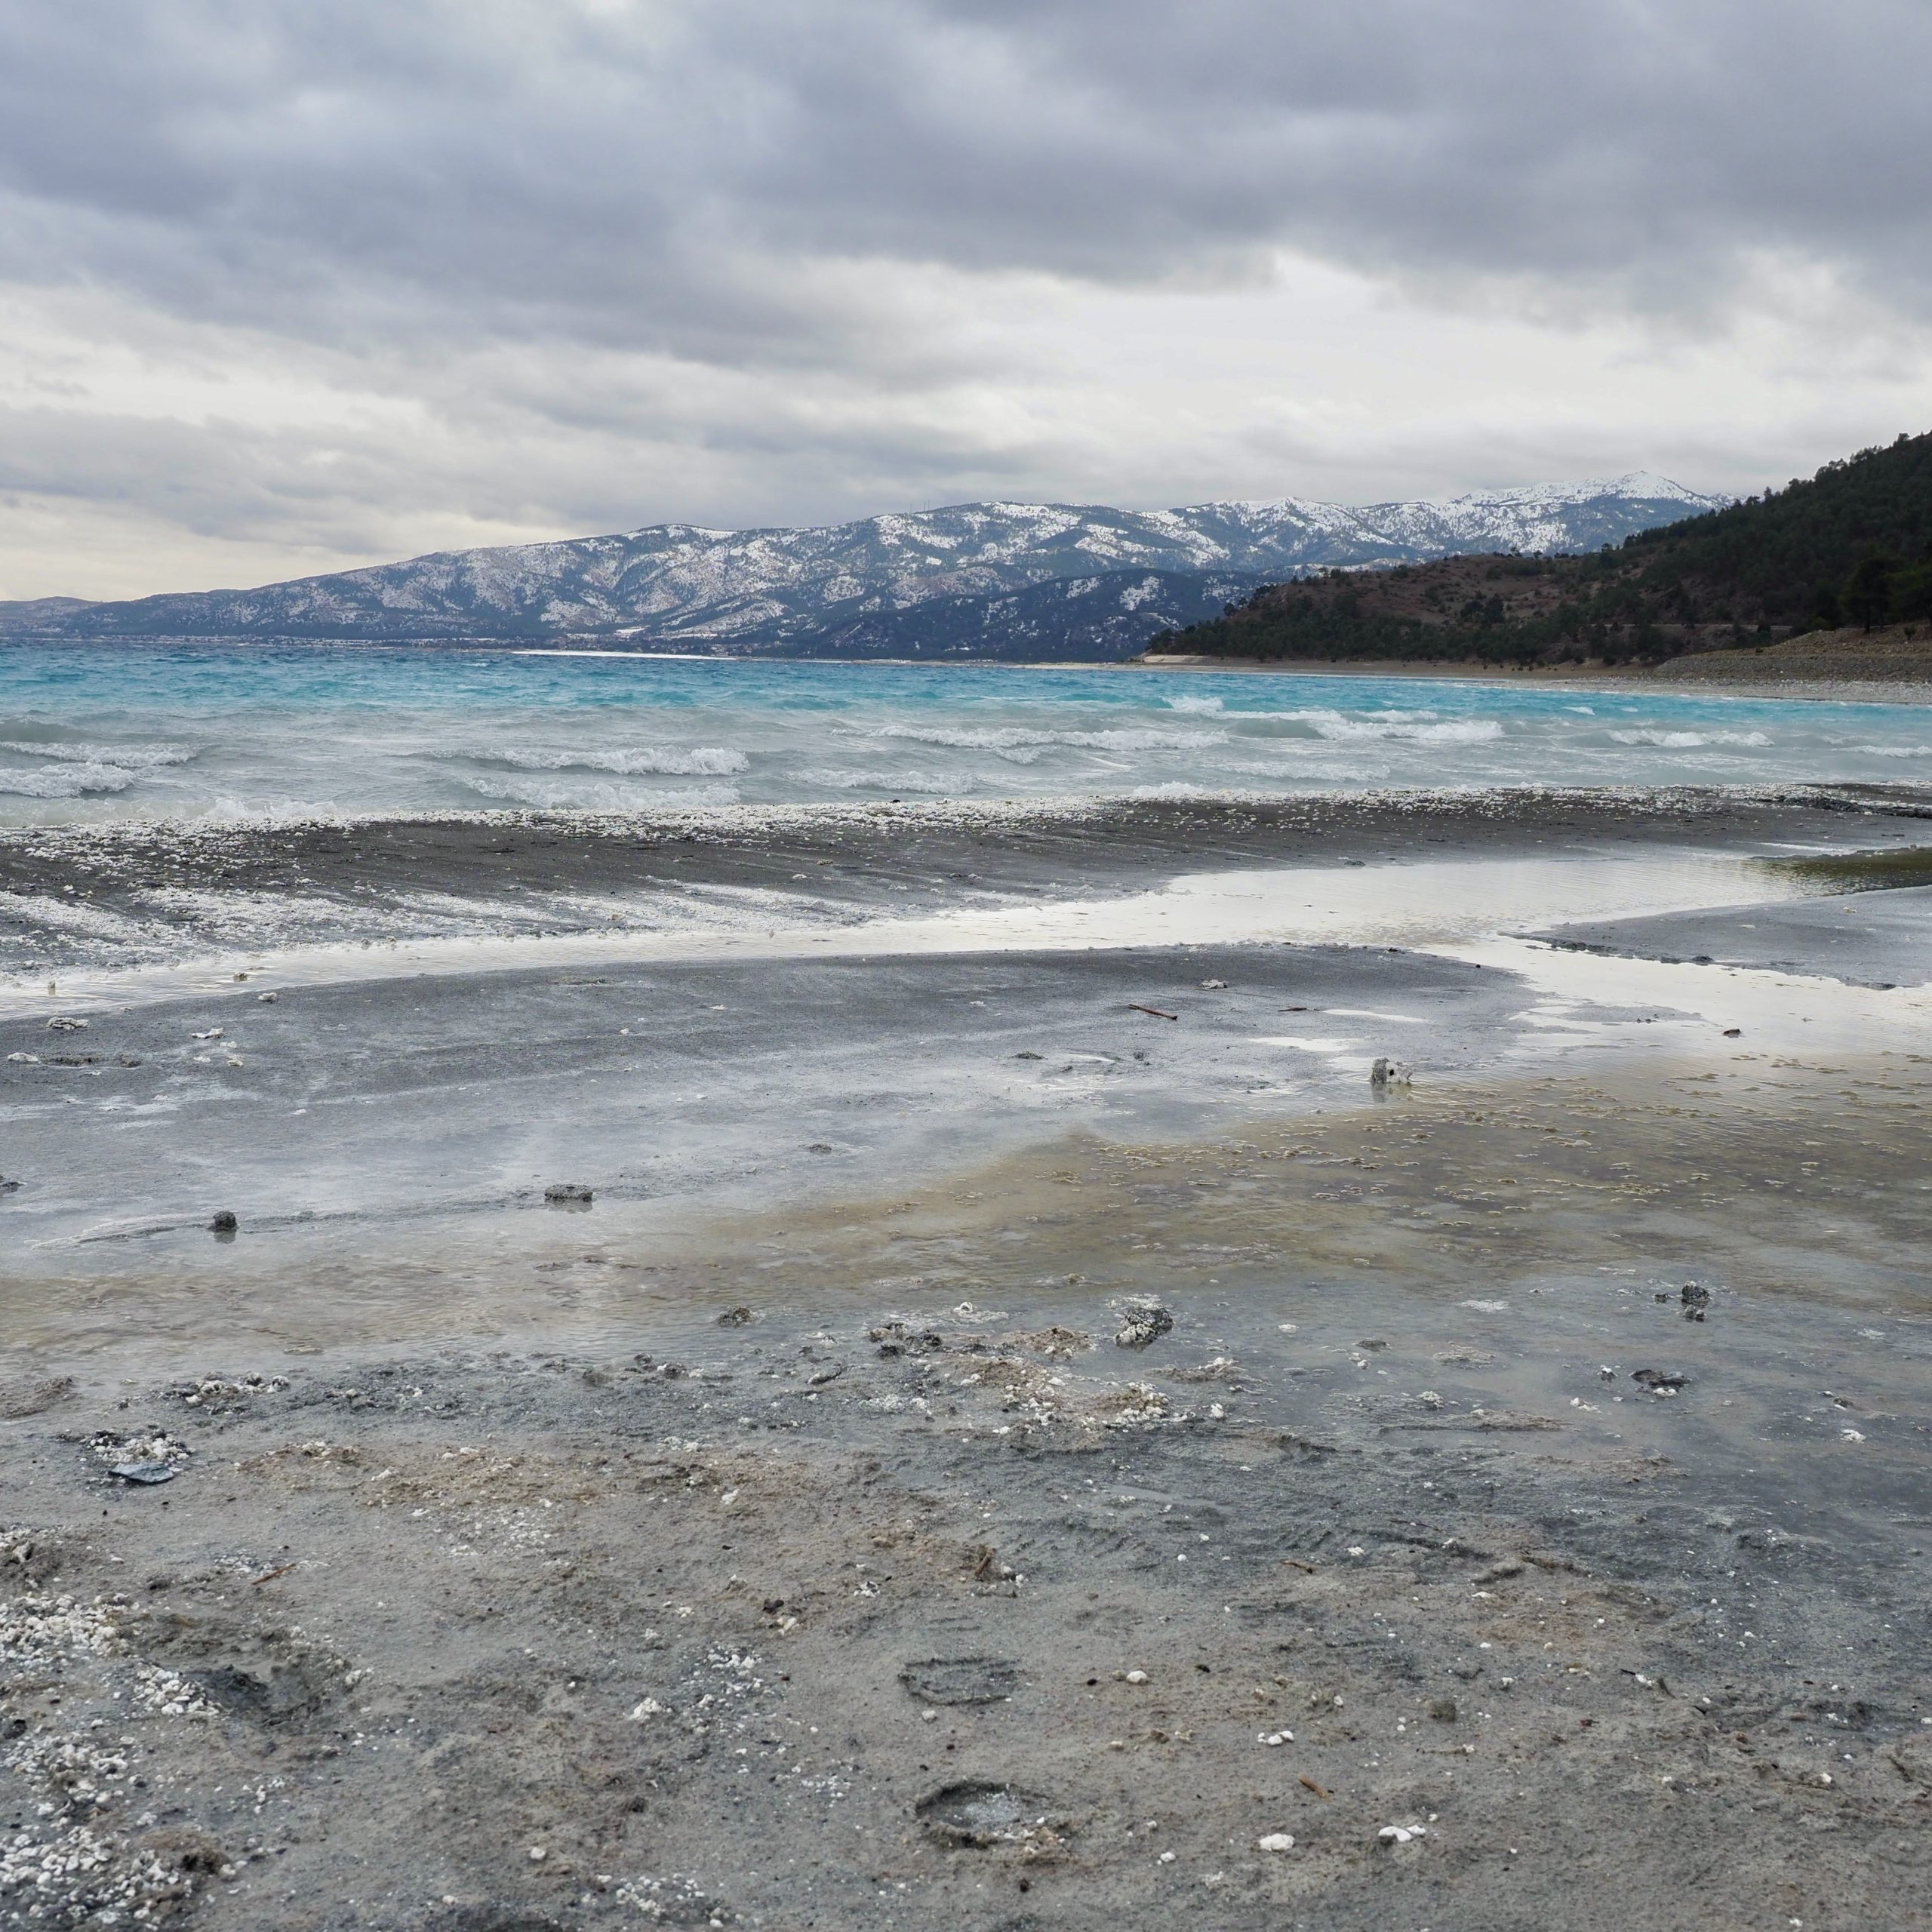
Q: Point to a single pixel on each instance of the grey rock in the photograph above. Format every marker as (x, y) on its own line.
(1142, 1321)
(145, 1473)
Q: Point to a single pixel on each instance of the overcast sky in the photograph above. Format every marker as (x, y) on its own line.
(287, 288)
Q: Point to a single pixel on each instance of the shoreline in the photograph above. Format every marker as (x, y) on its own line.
(1159, 950)
(1841, 684)
(157, 898)
(1840, 675)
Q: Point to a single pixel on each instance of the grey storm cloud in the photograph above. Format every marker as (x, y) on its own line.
(651, 175)
(283, 284)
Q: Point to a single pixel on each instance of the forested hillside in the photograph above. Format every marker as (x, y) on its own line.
(1853, 545)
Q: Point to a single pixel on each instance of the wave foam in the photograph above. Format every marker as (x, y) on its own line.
(1009, 740)
(635, 761)
(595, 794)
(847, 780)
(1403, 725)
(1684, 741)
(66, 781)
(126, 758)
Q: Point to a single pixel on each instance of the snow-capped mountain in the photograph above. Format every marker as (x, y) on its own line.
(792, 590)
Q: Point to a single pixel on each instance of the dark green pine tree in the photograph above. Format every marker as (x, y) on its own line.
(1867, 596)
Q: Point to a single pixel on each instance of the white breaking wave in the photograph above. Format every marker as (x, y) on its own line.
(66, 781)
(1403, 725)
(1204, 706)
(845, 780)
(1684, 741)
(628, 761)
(126, 758)
(1008, 739)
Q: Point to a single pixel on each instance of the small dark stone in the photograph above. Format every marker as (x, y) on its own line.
(146, 1474)
(1142, 1321)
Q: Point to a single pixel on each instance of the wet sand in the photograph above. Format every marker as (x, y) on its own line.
(785, 1536)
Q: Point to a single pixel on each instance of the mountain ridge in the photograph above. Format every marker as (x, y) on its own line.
(1854, 541)
(784, 589)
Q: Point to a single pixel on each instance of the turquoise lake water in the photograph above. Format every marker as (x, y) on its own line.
(91, 733)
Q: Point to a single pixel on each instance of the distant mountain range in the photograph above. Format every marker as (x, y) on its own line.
(1014, 580)
(1851, 546)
